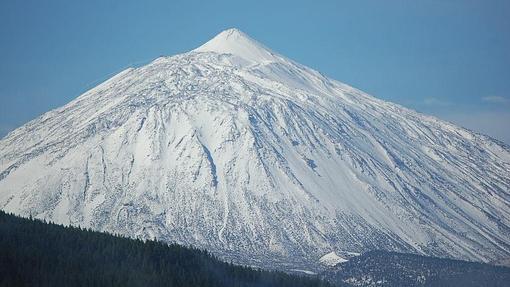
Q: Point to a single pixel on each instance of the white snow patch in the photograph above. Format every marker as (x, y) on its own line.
(332, 259)
(304, 271)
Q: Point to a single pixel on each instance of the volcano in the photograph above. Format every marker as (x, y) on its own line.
(236, 149)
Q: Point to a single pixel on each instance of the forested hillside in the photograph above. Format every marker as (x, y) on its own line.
(383, 268)
(34, 253)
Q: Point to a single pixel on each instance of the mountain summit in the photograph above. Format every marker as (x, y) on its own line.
(263, 161)
(235, 42)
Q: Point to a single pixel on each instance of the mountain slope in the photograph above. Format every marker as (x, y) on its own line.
(241, 151)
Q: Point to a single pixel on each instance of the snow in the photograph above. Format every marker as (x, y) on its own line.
(308, 272)
(237, 43)
(236, 149)
(332, 259)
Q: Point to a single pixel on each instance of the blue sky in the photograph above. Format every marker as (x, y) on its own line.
(448, 58)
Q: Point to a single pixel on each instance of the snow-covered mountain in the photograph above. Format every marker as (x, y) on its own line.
(234, 148)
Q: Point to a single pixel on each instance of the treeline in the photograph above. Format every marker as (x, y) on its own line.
(35, 253)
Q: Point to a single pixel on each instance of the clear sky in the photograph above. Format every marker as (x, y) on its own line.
(448, 58)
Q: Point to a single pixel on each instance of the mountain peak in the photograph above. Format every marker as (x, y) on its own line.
(233, 32)
(260, 160)
(234, 41)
